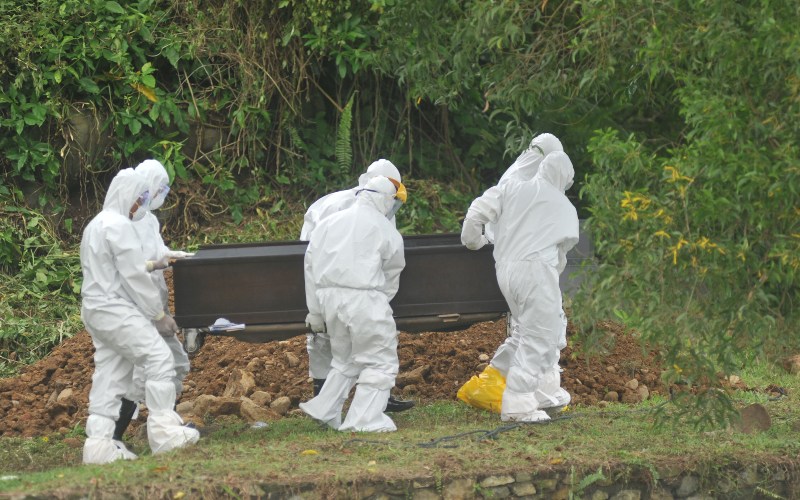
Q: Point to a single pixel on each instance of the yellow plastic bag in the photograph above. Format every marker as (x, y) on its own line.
(484, 391)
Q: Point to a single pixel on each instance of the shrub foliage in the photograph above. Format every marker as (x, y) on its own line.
(681, 118)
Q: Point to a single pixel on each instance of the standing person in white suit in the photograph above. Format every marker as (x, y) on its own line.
(122, 311)
(352, 272)
(536, 225)
(318, 345)
(157, 257)
(525, 168)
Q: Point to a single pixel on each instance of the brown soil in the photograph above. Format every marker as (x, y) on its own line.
(52, 395)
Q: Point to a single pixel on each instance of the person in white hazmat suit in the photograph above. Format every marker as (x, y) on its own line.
(525, 168)
(158, 257)
(122, 311)
(318, 345)
(536, 225)
(352, 272)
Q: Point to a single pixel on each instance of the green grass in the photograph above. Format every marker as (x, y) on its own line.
(445, 439)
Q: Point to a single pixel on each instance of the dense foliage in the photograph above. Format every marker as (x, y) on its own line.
(700, 240)
(681, 118)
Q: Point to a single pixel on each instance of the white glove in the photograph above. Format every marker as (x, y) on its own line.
(179, 254)
(471, 235)
(166, 326)
(562, 261)
(161, 263)
(315, 323)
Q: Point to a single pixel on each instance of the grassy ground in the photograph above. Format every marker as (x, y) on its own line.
(443, 440)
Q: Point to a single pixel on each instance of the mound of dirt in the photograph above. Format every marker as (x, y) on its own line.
(52, 395)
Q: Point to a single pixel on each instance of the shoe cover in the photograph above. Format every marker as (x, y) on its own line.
(366, 411)
(484, 391)
(534, 416)
(104, 451)
(326, 407)
(128, 454)
(165, 429)
(550, 393)
(166, 432)
(99, 447)
(521, 407)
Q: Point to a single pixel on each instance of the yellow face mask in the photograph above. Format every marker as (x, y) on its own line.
(400, 197)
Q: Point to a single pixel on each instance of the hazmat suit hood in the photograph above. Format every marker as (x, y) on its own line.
(557, 169)
(527, 164)
(125, 189)
(379, 193)
(379, 167)
(156, 176)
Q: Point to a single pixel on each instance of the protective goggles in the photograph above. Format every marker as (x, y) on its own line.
(162, 192)
(400, 194)
(535, 147)
(143, 200)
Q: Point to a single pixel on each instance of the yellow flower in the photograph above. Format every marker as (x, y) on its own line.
(630, 215)
(662, 234)
(675, 175)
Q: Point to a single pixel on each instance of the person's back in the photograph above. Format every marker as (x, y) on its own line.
(536, 218)
(340, 200)
(325, 206)
(525, 167)
(535, 227)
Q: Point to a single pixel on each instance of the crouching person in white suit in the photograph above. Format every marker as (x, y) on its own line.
(122, 310)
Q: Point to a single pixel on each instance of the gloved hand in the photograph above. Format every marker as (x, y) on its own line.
(472, 235)
(562, 261)
(315, 323)
(161, 263)
(166, 326)
(179, 254)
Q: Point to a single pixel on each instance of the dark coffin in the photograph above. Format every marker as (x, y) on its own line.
(443, 285)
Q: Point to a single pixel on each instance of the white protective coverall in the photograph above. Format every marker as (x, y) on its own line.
(119, 306)
(536, 225)
(352, 272)
(154, 250)
(318, 345)
(525, 168)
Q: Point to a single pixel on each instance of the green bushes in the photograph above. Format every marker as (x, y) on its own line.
(699, 243)
(681, 118)
(39, 288)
